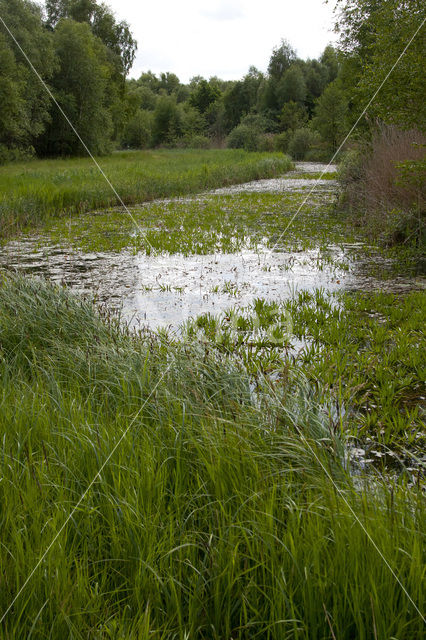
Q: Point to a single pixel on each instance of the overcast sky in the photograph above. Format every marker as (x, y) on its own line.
(221, 37)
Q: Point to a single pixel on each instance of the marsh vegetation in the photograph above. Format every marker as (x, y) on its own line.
(211, 399)
(255, 454)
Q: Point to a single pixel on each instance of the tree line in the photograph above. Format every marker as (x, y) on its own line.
(304, 107)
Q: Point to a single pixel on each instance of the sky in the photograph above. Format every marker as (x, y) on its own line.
(221, 37)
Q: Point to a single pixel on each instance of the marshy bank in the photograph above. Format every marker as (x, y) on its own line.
(36, 191)
(270, 258)
(210, 515)
(258, 354)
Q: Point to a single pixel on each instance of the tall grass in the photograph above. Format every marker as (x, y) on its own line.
(213, 518)
(35, 191)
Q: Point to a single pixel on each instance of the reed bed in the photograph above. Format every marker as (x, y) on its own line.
(39, 190)
(209, 516)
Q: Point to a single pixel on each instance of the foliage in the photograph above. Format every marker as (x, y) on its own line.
(292, 86)
(293, 116)
(82, 86)
(330, 115)
(15, 154)
(374, 34)
(383, 185)
(138, 131)
(301, 142)
(196, 142)
(116, 36)
(245, 137)
(24, 102)
(109, 111)
(281, 60)
(204, 95)
(168, 121)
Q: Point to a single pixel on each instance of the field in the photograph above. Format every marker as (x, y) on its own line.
(254, 471)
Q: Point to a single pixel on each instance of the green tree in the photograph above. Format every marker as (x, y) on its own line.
(292, 86)
(330, 60)
(168, 121)
(169, 82)
(330, 115)
(281, 59)
(138, 131)
(373, 36)
(301, 142)
(116, 36)
(11, 100)
(293, 116)
(82, 88)
(204, 95)
(24, 102)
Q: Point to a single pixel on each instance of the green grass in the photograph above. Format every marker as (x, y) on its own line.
(36, 191)
(207, 224)
(215, 516)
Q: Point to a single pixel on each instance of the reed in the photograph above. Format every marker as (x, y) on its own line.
(212, 518)
(36, 191)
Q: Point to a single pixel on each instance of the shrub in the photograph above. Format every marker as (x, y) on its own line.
(15, 154)
(383, 184)
(301, 142)
(196, 142)
(244, 137)
(137, 134)
(281, 141)
(266, 142)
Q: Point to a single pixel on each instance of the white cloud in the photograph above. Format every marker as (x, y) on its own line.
(224, 11)
(219, 37)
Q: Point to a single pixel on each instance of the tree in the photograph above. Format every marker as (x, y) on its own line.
(204, 95)
(293, 116)
(24, 102)
(138, 131)
(82, 88)
(281, 59)
(373, 34)
(330, 60)
(169, 82)
(330, 115)
(116, 36)
(168, 121)
(236, 105)
(292, 86)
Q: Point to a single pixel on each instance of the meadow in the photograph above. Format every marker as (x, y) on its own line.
(36, 191)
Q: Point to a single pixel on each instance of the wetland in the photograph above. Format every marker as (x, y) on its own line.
(247, 347)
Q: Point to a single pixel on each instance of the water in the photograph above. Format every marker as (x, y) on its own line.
(165, 290)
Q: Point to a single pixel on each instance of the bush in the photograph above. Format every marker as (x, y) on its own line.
(301, 142)
(383, 184)
(266, 142)
(254, 133)
(281, 141)
(244, 137)
(15, 154)
(195, 142)
(137, 134)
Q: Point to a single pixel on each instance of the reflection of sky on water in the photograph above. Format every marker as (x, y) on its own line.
(164, 290)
